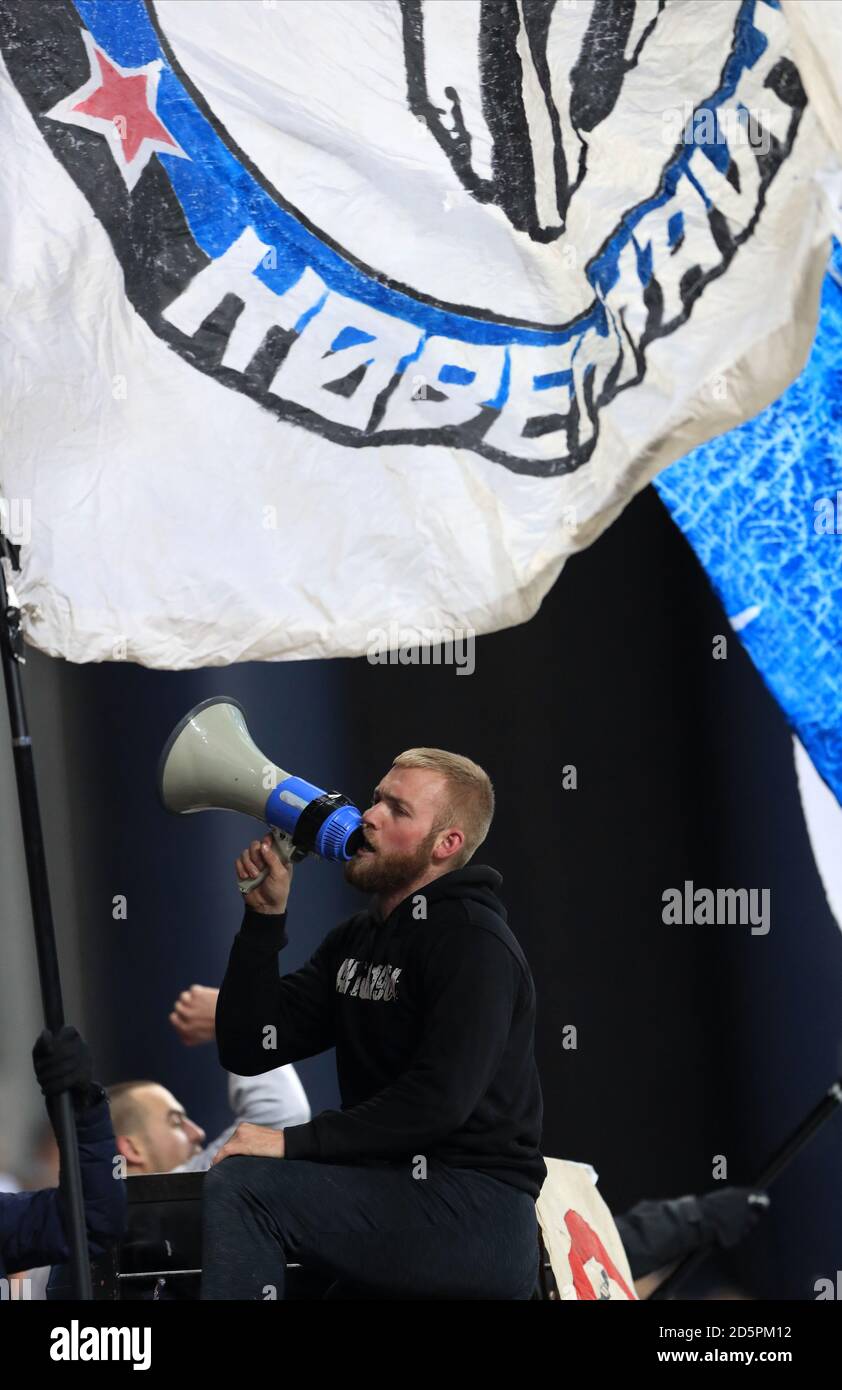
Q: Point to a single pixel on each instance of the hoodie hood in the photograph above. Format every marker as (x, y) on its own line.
(479, 882)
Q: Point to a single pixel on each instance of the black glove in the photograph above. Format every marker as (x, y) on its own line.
(63, 1063)
(656, 1233)
(729, 1215)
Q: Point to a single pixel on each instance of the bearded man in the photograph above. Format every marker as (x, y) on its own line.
(424, 1184)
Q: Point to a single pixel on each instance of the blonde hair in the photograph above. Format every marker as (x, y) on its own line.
(470, 795)
(127, 1116)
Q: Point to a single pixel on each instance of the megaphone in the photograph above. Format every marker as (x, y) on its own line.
(210, 762)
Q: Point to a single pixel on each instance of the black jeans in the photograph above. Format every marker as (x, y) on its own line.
(455, 1234)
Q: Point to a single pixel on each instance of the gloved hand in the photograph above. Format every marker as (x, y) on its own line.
(730, 1214)
(63, 1063)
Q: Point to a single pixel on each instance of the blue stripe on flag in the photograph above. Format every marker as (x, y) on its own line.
(762, 508)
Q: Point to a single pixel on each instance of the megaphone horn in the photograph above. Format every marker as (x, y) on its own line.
(210, 762)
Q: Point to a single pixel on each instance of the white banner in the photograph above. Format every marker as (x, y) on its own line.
(330, 318)
(580, 1236)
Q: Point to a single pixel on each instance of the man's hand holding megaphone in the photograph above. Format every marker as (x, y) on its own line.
(270, 896)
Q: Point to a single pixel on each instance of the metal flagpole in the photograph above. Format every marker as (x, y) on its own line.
(783, 1156)
(61, 1112)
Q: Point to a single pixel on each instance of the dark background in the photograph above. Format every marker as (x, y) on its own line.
(693, 1041)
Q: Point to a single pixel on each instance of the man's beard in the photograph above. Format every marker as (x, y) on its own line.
(384, 875)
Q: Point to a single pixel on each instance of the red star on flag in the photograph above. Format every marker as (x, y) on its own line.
(120, 103)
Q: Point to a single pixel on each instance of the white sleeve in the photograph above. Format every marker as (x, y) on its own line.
(275, 1099)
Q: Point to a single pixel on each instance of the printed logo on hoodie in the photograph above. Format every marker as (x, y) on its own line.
(367, 981)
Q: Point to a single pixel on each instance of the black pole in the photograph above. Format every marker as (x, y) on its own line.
(783, 1156)
(61, 1112)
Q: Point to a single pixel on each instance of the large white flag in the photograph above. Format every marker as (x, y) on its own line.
(328, 318)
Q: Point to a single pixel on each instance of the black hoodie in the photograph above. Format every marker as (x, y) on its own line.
(432, 1013)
